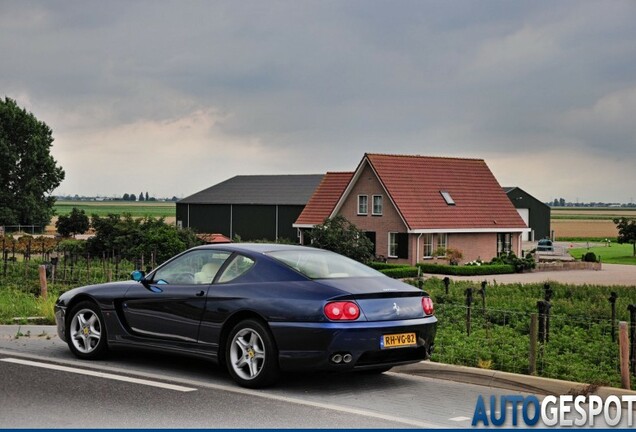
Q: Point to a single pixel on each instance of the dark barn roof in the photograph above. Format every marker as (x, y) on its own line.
(259, 189)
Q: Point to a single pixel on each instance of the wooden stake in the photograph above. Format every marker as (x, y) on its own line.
(623, 342)
(43, 287)
(532, 364)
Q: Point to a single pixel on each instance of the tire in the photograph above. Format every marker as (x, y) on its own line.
(251, 355)
(86, 332)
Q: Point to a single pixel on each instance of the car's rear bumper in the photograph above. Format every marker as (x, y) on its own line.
(313, 345)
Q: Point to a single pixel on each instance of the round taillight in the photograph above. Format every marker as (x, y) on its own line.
(427, 306)
(339, 311)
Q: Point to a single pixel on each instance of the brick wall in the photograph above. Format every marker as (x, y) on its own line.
(390, 221)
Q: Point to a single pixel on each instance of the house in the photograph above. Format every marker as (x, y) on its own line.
(254, 207)
(533, 212)
(415, 207)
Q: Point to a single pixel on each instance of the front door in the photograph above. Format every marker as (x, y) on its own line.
(170, 304)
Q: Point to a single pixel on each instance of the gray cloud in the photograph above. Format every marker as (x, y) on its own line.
(310, 86)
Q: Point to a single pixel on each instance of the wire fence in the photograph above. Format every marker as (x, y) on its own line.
(577, 348)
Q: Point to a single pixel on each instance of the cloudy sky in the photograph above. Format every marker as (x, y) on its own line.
(171, 97)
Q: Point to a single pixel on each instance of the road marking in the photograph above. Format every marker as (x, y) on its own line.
(256, 393)
(99, 374)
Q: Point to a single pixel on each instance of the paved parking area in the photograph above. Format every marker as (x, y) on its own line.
(610, 274)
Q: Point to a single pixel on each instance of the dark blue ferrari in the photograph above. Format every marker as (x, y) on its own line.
(259, 309)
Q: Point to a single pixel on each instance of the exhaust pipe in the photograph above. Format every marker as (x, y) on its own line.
(336, 358)
(347, 358)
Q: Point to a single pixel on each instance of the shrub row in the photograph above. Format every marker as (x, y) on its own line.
(400, 272)
(486, 269)
(383, 266)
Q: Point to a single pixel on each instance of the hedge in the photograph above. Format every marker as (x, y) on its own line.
(400, 272)
(384, 266)
(486, 269)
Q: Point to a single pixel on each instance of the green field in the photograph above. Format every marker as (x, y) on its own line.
(104, 208)
(614, 254)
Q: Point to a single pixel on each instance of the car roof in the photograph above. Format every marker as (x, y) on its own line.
(256, 247)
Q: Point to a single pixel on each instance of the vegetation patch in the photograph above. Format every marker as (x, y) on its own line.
(468, 270)
(613, 254)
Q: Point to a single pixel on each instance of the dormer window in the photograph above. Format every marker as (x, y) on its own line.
(447, 197)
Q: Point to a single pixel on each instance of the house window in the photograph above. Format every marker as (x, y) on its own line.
(442, 244)
(398, 245)
(363, 204)
(504, 243)
(393, 245)
(377, 205)
(428, 245)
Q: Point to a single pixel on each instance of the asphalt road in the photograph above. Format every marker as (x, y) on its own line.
(43, 385)
(32, 396)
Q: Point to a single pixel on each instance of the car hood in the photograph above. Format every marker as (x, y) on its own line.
(104, 293)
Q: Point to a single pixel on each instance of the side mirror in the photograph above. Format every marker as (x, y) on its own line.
(138, 275)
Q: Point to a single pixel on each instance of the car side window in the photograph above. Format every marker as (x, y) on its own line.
(237, 267)
(195, 267)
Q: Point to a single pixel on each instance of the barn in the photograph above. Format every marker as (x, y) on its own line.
(253, 207)
(533, 212)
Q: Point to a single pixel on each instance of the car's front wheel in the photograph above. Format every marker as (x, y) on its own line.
(251, 355)
(86, 332)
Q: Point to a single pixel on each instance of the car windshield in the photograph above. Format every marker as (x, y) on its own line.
(320, 264)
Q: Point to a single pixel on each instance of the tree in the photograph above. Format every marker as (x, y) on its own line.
(626, 232)
(147, 199)
(339, 235)
(74, 223)
(132, 238)
(126, 197)
(133, 197)
(141, 196)
(28, 172)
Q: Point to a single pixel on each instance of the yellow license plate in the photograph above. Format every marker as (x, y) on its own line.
(398, 340)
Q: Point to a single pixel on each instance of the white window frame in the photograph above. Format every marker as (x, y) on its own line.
(366, 205)
(426, 245)
(392, 244)
(373, 212)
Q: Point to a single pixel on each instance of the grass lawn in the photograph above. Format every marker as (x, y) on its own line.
(614, 254)
(136, 209)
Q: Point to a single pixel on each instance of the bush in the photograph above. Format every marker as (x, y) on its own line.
(519, 264)
(589, 257)
(400, 272)
(383, 266)
(486, 269)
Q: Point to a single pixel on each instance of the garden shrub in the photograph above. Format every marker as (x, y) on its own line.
(400, 272)
(589, 257)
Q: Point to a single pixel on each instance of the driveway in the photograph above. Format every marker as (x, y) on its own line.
(611, 275)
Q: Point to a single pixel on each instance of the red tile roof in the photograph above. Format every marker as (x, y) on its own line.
(325, 198)
(214, 238)
(414, 184)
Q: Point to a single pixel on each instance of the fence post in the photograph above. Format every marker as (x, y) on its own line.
(43, 287)
(469, 301)
(612, 299)
(624, 354)
(482, 293)
(632, 336)
(544, 320)
(446, 281)
(4, 256)
(532, 361)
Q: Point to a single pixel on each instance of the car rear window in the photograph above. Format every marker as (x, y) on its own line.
(320, 264)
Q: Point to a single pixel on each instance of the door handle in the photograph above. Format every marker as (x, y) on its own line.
(200, 293)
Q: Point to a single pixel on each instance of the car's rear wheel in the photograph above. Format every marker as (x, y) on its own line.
(251, 355)
(86, 332)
